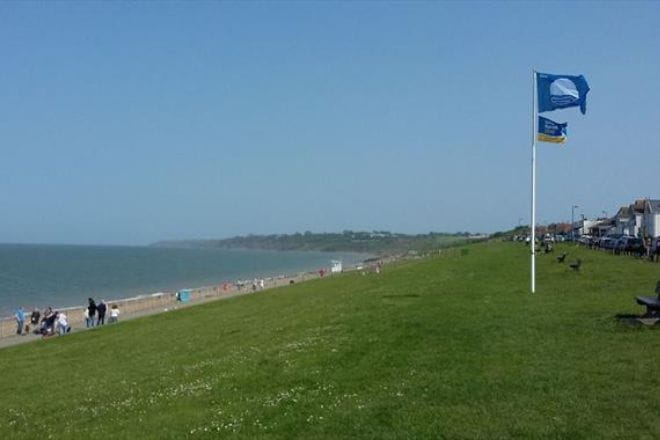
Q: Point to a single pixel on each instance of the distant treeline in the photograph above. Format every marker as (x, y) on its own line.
(376, 242)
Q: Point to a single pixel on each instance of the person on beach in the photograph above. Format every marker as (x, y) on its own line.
(101, 308)
(44, 316)
(34, 320)
(91, 312)
(114, 314)
(48, 323)
(20, 320)
(62, 324)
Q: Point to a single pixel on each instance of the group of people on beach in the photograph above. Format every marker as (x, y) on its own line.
(47, 324)
(50, 323)
(257, 284)
(94, 314)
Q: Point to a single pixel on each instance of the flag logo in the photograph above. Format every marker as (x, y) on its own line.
(563, 92)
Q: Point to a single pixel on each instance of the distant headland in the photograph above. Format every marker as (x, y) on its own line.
(374, 242)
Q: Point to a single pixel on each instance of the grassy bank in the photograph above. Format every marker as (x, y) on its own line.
(452, 347)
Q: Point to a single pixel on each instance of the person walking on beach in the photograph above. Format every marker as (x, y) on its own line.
(91, 312)
(20, 320)
(101, 308)
(114, 314)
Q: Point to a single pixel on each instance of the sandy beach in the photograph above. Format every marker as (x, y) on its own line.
(163, 302)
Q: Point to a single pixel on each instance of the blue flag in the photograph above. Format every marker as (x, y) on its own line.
(561, 91)
(551, 131)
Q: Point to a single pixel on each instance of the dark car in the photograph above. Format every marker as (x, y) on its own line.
(629, 244)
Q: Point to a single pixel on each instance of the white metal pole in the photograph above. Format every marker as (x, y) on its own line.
(532, 241)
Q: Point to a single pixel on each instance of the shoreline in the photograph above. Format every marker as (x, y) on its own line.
(162, 302)
(63, 276)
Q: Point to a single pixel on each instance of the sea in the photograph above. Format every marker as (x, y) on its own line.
(66, 275)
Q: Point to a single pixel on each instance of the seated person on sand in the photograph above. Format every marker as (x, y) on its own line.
(48, 323)
(62, 324)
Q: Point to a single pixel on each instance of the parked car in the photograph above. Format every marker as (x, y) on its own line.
(609, 241)
(585, 240)
(628, 243)
(603, 242)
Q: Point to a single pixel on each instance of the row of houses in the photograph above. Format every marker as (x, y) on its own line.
(640, 219)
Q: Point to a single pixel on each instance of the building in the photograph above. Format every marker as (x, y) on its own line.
(586, 227)
(622, 221)
(651, 220)
(599, 227)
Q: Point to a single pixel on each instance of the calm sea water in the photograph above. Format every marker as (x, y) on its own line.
(62, 276)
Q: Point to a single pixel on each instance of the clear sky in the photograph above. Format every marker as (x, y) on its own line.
(126, 123)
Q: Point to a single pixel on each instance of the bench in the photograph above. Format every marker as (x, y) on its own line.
(652, 303)
(562, 257)
(576, 266)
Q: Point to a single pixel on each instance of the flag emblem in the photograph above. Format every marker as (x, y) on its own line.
(563, 92)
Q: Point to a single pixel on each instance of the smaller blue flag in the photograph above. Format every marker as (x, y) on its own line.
(561, 91)
(551, 131)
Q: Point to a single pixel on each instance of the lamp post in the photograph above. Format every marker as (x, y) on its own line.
(573, 221)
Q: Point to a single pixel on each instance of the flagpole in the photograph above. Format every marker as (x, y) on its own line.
(532, 241)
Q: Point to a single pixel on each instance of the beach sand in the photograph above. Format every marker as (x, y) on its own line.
(162, 302)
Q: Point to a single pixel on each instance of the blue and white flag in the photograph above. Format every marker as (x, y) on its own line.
(561, 91)
(551, 131)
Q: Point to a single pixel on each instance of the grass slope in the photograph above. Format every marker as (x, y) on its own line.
(449, 347)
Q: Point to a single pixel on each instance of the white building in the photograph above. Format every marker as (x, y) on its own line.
(584, 226)
(336, 266)
(651, 221)
(634, 226)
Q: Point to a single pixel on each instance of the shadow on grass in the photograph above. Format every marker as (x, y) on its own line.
(403, 295)
(636, 321)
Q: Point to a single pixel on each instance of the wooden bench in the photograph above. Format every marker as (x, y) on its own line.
(652, 303)
(576, 266)
(562, 257)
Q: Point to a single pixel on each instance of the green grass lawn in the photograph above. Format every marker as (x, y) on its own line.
(448, 347)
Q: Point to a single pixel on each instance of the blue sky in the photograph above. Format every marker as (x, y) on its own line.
(126, 123)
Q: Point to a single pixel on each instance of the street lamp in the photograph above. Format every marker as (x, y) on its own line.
(573, 221)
